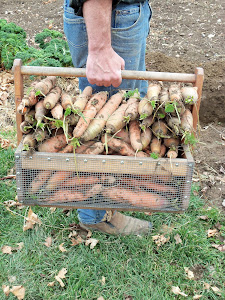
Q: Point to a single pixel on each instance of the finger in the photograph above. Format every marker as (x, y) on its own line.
(123, 64)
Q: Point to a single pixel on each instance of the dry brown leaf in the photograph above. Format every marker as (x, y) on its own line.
(51, 283)
(6, 290)
(203, 217)
(216, 290)
(219, 247)
(18, 291)
(165, 229)
(72, 234)
(60, 276)
(206, 286)
(212, 232)
(92, 242)
(176, 290)
(196, 297)
(6, 249)
(102, 280)
(20, 246)
(61, 248)
(189, 273)
(52, 209)
(160, 239)
(100, 298)
(48, 241)
(32, 219)
(76, 241)
(178, 239)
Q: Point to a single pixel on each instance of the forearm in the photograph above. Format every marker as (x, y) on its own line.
(104, 65)
(97, 15)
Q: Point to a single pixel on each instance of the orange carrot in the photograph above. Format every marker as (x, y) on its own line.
(93, 106)
(171, 142)
(148, 185)
(72, 119)
(40, 112)
(45, 85)
(52, 97)
(25, 127)
(82, 99)
(29, 141)
(164, 96)
(84, 146)
(22, 110)
(172, 153)
(136, 198)
(95, 149)
(124, 135)
(135, 135)
(31, 99)
(30, 117)
(159, 129)
(145, 108)
(97, 125)
(67, 149)
(64, 196)
(80, 181)
(95, 190)
(153, 91)
(54, 144)
(57, 179)
(146, 137)
(39, 181)
(155, 145)
(187, 121)
(142, 154)
(131, 112)
(119, 146)
(66, 101)
(162, 151)
(175, 93)
(40, 134)
(57, 111)
(190, 94)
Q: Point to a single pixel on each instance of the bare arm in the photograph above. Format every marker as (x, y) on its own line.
(104, 65)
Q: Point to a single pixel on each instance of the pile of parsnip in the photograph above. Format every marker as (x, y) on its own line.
(124, 124)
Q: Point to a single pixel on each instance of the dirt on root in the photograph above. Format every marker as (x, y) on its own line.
(184, 35)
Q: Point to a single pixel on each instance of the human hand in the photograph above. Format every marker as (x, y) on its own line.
(104, 67)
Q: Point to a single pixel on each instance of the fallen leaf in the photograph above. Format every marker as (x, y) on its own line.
(203, 217)
(20, 246)
(206, 286)
(6, 249)
(216, 290)
(196, 297)
(52, 209)
(6, 290)
(178, 239)
(160, 239)
(12, 278)
(100, 298)
(166, 229)
(60, 276)
(32, 219)
(18, 291)
(176, 290)
(48, 242)
(212, 232)
(76, 241)
(51, 283)
(189, 273)
(219, 247)
(92, 242)
(102, 280)
(72, 234)
(61, 248)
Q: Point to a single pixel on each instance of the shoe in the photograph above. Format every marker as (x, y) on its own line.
(119, 224)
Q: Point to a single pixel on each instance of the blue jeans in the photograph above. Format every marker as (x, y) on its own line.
(129, 31)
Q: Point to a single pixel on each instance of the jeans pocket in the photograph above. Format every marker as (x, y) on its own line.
(125, 16)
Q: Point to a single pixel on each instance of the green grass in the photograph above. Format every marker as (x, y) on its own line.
(132, 266)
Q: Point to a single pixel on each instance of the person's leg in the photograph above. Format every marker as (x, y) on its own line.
(130, 27)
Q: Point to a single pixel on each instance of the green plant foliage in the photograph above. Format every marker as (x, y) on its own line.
(53, 49)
